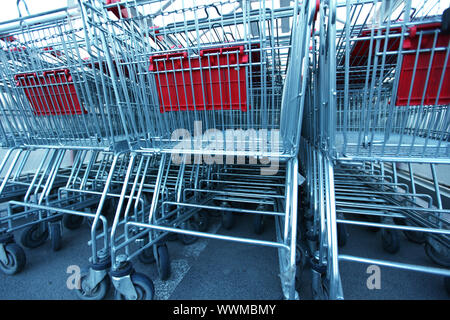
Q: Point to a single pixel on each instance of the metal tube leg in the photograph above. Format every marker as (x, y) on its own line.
(287, 257)
(333, 267)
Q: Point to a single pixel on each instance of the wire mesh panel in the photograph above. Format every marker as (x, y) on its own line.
(222, 65)
(392, 81)
(55, 87)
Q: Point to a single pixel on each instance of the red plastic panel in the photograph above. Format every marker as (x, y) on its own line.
(215, 82)
(52, 93)
(421, 70)
(359, 55)
(360, 51)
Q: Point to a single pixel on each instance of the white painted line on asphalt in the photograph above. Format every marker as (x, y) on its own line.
(180, 267)
(164, 288)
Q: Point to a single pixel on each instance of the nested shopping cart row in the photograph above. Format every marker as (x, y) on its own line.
(125, 110)
(380, 102)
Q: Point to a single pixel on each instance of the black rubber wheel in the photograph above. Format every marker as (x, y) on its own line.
(228, 220)
(301, 258)
(188, 239)
(55, 236)
(146, 256)
(412, 236)
(72, 222)
(97, 293)
(258, 223)
(163, 262)
(143, 285)
(415, 236)
(202, 220)
(33, 237)
(16, 259)
(447, 284)
(439, 256)
(390, 240)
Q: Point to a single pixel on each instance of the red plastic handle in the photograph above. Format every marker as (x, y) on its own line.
(25, 75)
(169, 56)
(222, 50)
(57, 71)
(66, 72)
(317, 9)
(183, 54)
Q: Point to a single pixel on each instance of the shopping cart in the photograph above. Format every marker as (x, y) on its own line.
(57, 96)
(382, 88)
(209, 80)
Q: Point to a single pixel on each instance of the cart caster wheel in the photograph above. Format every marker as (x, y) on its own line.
(143, 285)
(301, 262)
(163, 262)
(72, 222)
(188, 239)
(55, 232)
(16, 259)
(412, 236)
(33, 237)
(390, 240)
(258, 224)
(97, 293)
(438, 254)
(415, 236)
(228, 220)
(447, 284)
(146, 256)
(202, 220)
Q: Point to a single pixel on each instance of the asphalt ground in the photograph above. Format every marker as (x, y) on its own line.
(216, 269)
